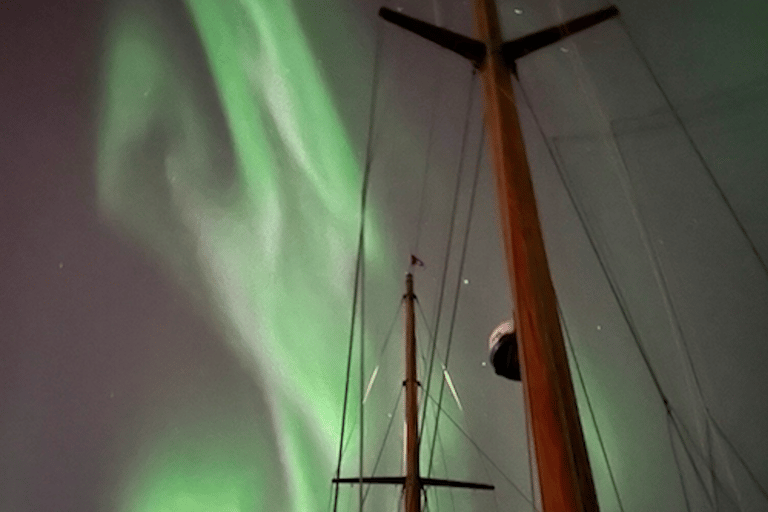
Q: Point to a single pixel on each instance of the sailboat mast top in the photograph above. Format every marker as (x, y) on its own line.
(565, 478)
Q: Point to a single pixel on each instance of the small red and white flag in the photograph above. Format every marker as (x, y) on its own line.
(416, 261)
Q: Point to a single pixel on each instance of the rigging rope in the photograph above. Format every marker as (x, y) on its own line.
(685, 437)
(530, 448)
(615, 291)
(696, 149)
(580, 376)
(488, 476)
(359, 265)
(712, 474)
(738, 456)
(445, 373)
(384, 441)
(624, 308)
(677, 463)
(612, 282)
(709, 418)
(445, 468)
(459, 277)
(391, 328)
(689, 455)
(483, 454)
(362, 354)
(449, 243)
(659, 275)
(438, 82)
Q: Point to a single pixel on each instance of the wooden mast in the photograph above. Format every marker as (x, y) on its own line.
(412, 489)
(411, 481)
(565, 478)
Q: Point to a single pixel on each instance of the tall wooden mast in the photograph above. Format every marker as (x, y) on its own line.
(565, 478)
(412, 490)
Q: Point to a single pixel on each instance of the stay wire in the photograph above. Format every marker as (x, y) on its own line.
(445, 468)
(425, 174)
(711, 176)
(349, 439)
(580, 376)
(531, 448)
(429, 335)
(621, 301)
(459, 277)
(391, 328)
(449, 243)
(485, 455)
(362, 367)
(671, 310)
(611, 279)
(712, 474)
(425, 322)
(692, 461)
(360, 256)
(488, 476)
(677, 463)
(384, 441)
(424, 318)
(619, 297)
(738, 455)
(699, 154)
(685, 438)
(661, 279)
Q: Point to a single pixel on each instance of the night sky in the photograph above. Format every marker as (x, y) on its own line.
(180, 204)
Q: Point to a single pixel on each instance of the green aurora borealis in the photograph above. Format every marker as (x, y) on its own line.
(181, 196)
(222, 155)
(268, 243)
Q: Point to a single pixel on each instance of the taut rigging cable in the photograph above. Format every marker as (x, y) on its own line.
(433, 117)
(458, 289)
(629, 321)
(449, 243)
(696, 149)
(580, 376)
(358, 266)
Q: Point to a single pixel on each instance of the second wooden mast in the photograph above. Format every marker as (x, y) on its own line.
(412, 486)
(412, 482)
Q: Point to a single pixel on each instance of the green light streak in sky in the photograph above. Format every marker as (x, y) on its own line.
(178, 476)
(275, 246)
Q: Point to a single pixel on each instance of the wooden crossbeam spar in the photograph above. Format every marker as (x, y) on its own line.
(424, 482)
